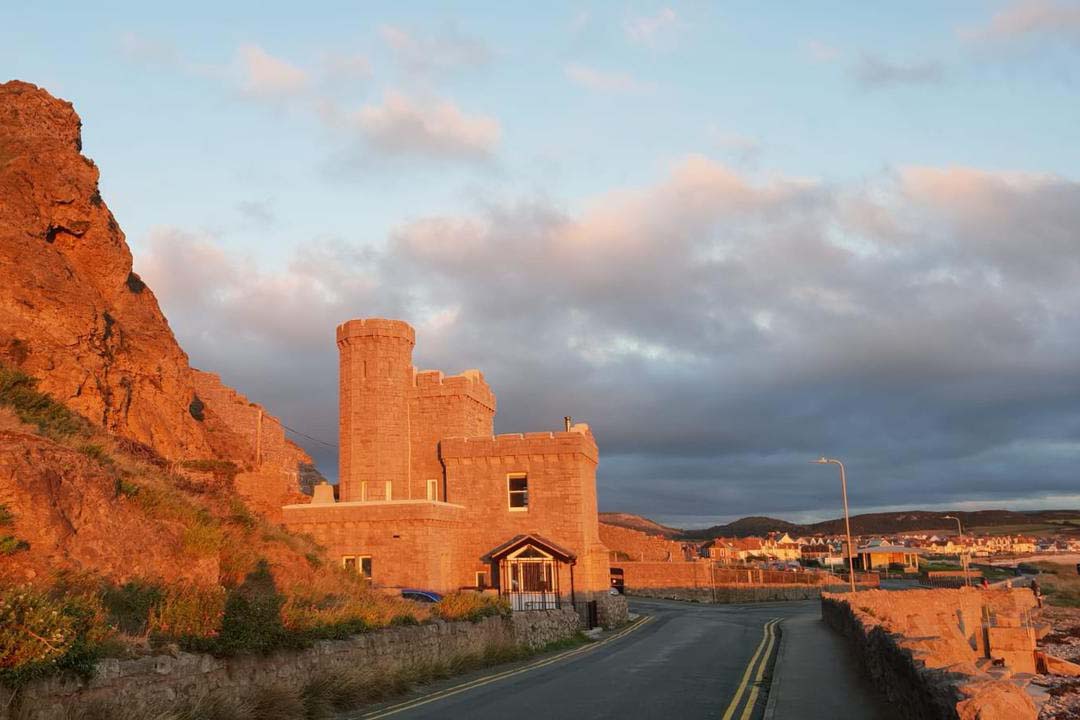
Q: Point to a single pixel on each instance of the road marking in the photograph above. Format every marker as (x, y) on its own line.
(488, 679)
(749, 709)
(737, 699)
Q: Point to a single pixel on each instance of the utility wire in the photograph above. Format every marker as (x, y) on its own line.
(305, 435)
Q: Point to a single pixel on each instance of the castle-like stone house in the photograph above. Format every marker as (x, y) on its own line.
(430, 498)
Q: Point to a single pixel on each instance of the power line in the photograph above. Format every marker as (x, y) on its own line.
(296, 432)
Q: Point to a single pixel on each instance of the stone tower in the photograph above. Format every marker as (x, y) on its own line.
(376, 381)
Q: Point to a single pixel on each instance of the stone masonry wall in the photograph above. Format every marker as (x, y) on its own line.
(727, 594)
(928, 649)
(150, 683)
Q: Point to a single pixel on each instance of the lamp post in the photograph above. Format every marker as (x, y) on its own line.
(963, 560)
(847, 522)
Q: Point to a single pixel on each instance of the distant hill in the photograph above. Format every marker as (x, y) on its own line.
(865, 524)
(636, 522)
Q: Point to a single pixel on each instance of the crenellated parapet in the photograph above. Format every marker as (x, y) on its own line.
(469, 384)
(375, 328)
(578, 441)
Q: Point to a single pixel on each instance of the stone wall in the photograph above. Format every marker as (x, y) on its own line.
(612, 610)
(933, 651)
(148, 683)
(731, 594)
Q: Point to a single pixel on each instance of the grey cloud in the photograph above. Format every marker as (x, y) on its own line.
(716, 332)
(872, 72)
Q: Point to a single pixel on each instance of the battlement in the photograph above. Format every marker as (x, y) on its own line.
(375, 327)
(470, 383)
(578, 441)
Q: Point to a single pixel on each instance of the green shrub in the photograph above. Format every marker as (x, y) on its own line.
(187, 611)
(219, 468)
(125, 488)
(240, 515)
(41, 633)
(129, 605)
(19, 392)
(252, 619)
(9, 545)
(470, 606)
(202, 539)
(96, 452)
(6, 518)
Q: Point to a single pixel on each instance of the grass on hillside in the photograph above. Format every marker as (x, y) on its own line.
(65, 621)
(1060, 583)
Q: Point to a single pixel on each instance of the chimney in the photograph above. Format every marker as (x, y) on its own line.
(567, 422)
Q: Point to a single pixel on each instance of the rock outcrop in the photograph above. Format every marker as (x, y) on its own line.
(76, 316)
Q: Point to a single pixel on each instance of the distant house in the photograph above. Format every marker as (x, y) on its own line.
(882, 557)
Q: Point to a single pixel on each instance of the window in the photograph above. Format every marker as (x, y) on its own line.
(358, 563)
(481, 580)
(433, 489)
(518, 490)
(388, 492)
(363, 491)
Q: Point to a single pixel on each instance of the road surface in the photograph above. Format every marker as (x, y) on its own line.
(683, 660)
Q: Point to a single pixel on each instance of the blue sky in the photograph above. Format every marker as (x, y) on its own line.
(279, 167)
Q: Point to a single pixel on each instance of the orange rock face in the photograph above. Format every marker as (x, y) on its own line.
(76, 317)
(72, 311)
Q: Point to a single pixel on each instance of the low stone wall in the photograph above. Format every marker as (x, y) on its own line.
(150, 683)
(612, 610)
(931, 651)
(731, 594)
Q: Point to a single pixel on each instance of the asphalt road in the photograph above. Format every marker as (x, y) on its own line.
(685, 661)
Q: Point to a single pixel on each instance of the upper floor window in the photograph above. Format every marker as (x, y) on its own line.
(518, 491)
(432, 489)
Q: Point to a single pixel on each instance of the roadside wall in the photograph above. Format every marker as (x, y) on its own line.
(737, 593)
(930, 650)
(172, 680)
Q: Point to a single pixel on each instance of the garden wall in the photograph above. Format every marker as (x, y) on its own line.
(730, 594)
(146, 684)
(933, 651)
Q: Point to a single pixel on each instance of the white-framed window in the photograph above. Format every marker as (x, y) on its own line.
(481, 579)
(388, 491)
(433, 489)
(357, 564)
(517, 492)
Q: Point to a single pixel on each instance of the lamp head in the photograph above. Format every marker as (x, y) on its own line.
(821, 461)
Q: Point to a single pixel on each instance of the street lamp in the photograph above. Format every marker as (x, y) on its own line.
(847, 522)
(963, 560)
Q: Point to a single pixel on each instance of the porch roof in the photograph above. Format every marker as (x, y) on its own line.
(518, 541)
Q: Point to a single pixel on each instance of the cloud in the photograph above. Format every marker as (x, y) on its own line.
(404, 126)
(1030, 19)
(345, 69)
(716, 330)
(149, 51)
(605, 82)
(651, 30)
(262, 76)
(874, 73)
(447, 50)
(820, 52)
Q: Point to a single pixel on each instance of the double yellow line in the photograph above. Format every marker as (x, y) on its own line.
(768, 638)
(488, 679)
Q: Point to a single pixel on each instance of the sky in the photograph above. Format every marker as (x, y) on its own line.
(731, 237)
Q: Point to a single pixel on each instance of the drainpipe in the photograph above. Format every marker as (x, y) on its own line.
(573, 597)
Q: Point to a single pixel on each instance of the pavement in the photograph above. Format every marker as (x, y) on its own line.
(680, 660)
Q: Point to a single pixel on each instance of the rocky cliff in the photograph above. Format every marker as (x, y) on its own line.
(78, 322)
(74, 314)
